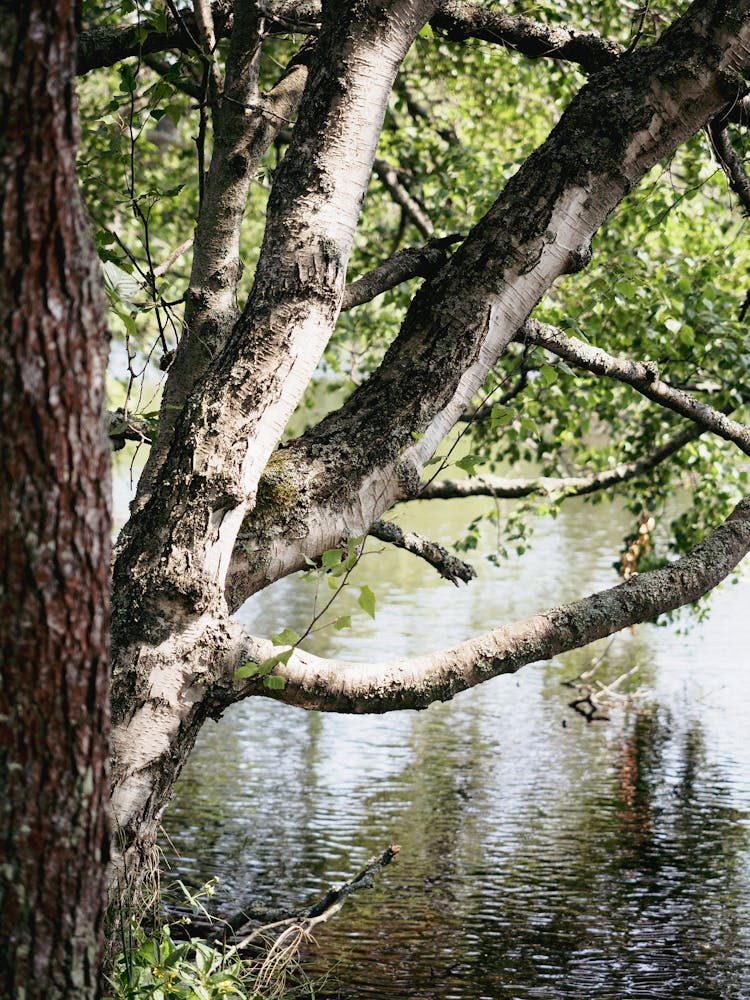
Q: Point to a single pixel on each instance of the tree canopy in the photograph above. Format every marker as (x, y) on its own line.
(329, 227)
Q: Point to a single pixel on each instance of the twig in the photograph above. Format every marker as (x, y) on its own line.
(449, 567)
(321, 911)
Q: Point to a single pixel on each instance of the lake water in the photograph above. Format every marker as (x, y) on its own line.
(541, 856)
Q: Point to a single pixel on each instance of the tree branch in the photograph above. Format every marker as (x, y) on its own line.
(419, 111)
(123, 428)
(330, 685)
(340, 476)
(513, 489)
(730, 162)
(644, 378)
(99, 47)
(245, 126)
(448, 566)
(413, 262)
(388, 176)
(531, 38)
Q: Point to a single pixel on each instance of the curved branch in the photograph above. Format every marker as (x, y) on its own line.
(513, 489)
(335, 686)
(730, 162)
(531, 38)
(448, 566)
(340, 476)
(644, 378)
(413, 262)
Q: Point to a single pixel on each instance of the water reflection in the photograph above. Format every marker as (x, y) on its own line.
(541, 856)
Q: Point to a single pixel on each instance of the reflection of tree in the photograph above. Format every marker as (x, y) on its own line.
(635, 802)
(537, 860)
(677, 836)
(414, 920)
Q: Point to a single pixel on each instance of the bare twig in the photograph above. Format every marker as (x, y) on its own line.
(448, 566)
(322, 910)
(388, 175)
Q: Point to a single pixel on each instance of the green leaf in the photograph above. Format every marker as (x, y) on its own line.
(286, 638)
(547, 375)
(274, 683)
(367, 601)
(345, 621)
(268, 665)
(331, 558)
(469, 463)
(246, 670)
(500, 415)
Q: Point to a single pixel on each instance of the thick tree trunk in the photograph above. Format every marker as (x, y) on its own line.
(169, 614)
(54, 528)
(183, 565)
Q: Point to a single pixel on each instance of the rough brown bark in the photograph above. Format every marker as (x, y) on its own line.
(54, 528)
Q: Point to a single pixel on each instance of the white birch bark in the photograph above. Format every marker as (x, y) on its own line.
(175, 647)
(169, 611)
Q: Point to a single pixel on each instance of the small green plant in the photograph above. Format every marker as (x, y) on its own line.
(155, 966)
(158, 968)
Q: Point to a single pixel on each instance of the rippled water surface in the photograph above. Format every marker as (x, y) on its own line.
(542, 856)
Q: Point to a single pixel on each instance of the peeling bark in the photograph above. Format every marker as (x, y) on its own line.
(245, 126)
(183, 560)
(340, 476)
(169, 607)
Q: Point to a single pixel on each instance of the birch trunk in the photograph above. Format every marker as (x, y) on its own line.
(228, 516)
(169, 615)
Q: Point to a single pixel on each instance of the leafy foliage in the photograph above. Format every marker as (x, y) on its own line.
(662, 287)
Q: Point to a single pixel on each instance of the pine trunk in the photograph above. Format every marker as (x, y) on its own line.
(54, 528)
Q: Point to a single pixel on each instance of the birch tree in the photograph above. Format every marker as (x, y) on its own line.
(229, 505)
